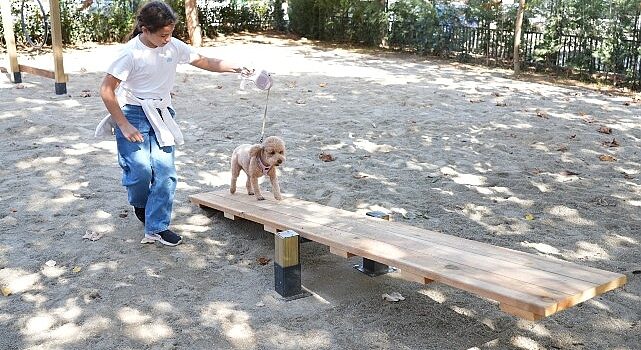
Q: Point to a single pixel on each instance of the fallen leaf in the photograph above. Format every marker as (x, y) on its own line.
(92, 235)
(76, 269)
(359, 176)
(393, 297)
(588, 120)
(263, 260)
(613, 143)
(569, 173)
(542, 114)
(476, 100)
(326, 157)
(20, 86)
(322, 84)
(529, 217)
(605, 130)
(607, 158)
(6, 291)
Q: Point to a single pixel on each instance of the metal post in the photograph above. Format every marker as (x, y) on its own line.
(10, 39)
(370, 267)
(287, 268)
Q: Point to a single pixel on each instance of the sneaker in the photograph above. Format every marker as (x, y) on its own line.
(166, 237)
(140, 214)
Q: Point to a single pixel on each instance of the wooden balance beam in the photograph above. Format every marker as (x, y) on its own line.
(525, 285)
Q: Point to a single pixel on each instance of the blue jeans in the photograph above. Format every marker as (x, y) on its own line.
(148, 171)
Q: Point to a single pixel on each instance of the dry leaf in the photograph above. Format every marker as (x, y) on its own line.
(393, 297)
(6, 291)
(569, 173)
(613, 143)
(263, 260)
(359, 176)
(607, 158)
(76, 269)
(476, 100)
(322, 84)
(529, 217)
(93, 236)
(588, 120)
(326, 157)
(605, 130)
(542, 114)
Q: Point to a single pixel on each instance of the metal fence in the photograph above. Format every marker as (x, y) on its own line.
(571, 53)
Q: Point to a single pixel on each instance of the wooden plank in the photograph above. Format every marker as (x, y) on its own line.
(9, 37)
(520, 313)
(340, 252)
(325, 225)
(412, 277)
(526, 273)
(564, 268)
(526, 296)
(270, 229)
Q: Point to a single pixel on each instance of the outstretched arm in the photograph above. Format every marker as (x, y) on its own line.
(218, 65)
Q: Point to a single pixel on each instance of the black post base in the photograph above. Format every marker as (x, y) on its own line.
(17, 77)
(61, 88)
(287, 280)
(373, 268)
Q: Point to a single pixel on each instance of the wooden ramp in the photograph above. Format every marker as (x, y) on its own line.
(525, 285)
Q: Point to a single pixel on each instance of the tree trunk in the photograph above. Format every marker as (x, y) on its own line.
(193, 26)
(517, 37)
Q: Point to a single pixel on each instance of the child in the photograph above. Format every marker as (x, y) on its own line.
(136, 92)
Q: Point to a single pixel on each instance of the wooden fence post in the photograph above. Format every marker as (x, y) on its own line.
(10, 39)
(56, 43)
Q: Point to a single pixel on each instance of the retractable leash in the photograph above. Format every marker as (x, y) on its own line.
(263, 81)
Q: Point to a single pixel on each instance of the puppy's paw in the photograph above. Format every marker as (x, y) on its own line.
(232, 190)
(250, 193)
(260, 198)
(278, 196)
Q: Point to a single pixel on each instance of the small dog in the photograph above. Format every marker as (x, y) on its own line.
(258, 160)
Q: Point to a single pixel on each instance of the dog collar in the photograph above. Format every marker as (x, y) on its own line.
(264, 168)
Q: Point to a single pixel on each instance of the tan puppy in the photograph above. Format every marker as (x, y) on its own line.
(258, 160)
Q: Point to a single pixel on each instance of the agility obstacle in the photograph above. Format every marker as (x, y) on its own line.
(16, 69)
(525, 285)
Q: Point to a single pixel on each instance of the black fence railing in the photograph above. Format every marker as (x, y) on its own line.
(572, 53)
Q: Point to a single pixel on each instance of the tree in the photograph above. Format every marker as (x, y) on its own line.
(193, 26)
(517, 37)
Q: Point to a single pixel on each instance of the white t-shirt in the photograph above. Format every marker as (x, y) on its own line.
(149, 73)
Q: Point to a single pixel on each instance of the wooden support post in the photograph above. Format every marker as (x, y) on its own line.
(56, 43)
(10, 39)
(229, 216)
(287, 269)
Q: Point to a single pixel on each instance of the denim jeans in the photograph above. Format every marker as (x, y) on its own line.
(148, 171)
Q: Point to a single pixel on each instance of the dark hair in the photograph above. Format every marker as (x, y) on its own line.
(153, 16)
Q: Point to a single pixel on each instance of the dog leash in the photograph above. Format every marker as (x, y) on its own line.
(262, 132)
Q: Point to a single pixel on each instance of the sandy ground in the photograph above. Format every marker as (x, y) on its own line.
(457, 149)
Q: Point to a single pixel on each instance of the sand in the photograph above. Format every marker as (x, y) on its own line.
(462, 150)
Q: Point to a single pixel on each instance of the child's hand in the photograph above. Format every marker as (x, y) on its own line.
(131, 133)
(246, 72)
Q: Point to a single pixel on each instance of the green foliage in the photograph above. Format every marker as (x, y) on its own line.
(415, 25)
(339, 20)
